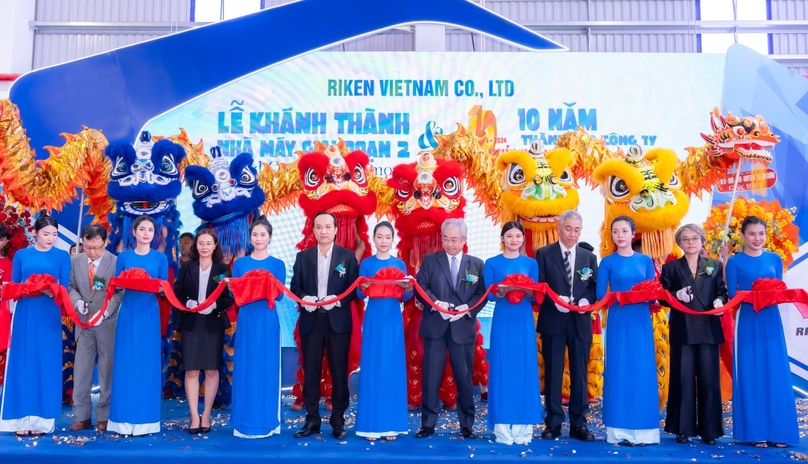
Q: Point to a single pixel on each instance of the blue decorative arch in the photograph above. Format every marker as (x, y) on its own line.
(119, 91)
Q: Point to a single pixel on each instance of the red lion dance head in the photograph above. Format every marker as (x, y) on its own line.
(337, 182)
(426, 193)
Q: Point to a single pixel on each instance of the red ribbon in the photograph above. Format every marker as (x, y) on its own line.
(262, 285)
(514, 280)
(34, 286)
(257, 284)
(386, 290)
(137, 279)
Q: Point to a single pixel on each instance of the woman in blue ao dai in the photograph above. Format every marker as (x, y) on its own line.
(32, 394)
(630, 393)
(257, 360)
(382, 410)
(514, 399)
(137, 371)
(763, 408)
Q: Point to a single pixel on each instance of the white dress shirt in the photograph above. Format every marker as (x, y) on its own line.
(204, 276)
(323, 269)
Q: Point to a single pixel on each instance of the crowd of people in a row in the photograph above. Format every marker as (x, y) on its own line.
(764, 411)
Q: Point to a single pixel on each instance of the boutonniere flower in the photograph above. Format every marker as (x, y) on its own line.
(585, 274)
(98, 283)
(221, 277)
(472, 276)
(709, 268)
(340, 269)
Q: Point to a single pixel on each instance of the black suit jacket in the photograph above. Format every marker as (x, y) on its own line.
(434, 277)
(552, 271)
(186, 287)
(304, 282)
(687, 329)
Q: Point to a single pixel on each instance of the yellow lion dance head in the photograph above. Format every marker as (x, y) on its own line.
(646, 189)
(536, 188)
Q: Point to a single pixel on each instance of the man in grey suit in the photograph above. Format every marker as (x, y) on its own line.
(89, 276)
(453, 280)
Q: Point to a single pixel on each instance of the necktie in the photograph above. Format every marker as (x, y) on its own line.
(568, 267)
(453, 270)
(91, 273)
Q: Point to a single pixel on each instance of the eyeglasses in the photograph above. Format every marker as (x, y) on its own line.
(690, 239)
(453, 240)
(91, 248)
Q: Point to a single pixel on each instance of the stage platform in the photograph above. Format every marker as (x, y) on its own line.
(173, 444)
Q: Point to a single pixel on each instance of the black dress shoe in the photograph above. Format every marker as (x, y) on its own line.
(338, 431)
(204, 429)
(551, 433)
(424, 432)
(708, 440)
(194, 431)
(581, 433)
(466, 432)
(682, 438)
(308, 429)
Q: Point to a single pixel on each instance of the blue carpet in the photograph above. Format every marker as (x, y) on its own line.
(174, 444)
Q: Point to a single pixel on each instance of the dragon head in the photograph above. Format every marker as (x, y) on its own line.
(536, 188)
(144, 178)
(336, 181)
(427, 192)
(225, 187)
(646, 189)
(740, 138)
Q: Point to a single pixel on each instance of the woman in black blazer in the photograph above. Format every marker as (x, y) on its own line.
(203, 332)
(694, 403)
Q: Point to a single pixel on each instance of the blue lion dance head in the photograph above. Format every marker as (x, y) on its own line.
(225, 194)
(145, 180)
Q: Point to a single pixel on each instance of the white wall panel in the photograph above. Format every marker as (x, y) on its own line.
(642, 10)
(521, 11)
(271, 3)
(600, 10)
(114, 10)
(595, 10)
(644, 43)
(53, 48)
(384, 42)
(50, 49)
(462, 42)
(790, 44)
(789, 9)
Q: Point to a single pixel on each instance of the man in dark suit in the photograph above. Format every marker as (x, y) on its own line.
(453, 280)
(694, 404)
(571, 271)
(89, 276)
(320, 274)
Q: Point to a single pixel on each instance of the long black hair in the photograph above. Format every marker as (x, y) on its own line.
(384, 224)
(45, 220)
(261, 221)
(143, 218)
(626, 219)
(751, 220)
(511, 225)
